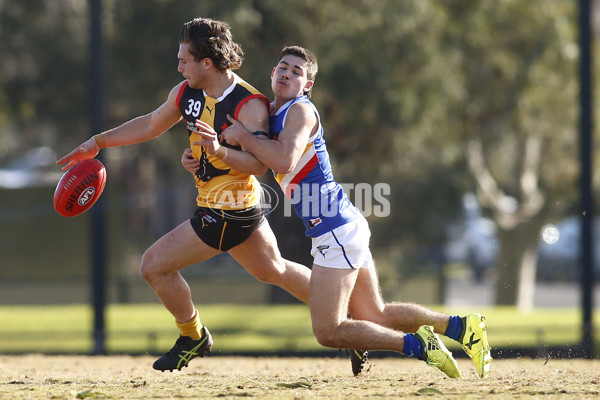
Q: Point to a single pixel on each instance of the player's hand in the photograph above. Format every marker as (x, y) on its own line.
(189, 163)
(85, 151)
(210, 139)
(234, 132)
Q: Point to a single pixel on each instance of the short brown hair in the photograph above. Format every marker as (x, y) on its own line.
(212, 39)
(312, 66)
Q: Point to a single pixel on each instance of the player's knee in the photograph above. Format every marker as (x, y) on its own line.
(269, 274)
(148, 266)
(326, 336)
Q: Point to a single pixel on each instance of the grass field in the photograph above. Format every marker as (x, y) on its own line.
(136, 330)
(149, 328)
(126, 377)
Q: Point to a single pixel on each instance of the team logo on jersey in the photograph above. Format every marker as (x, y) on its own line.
(314, 222)
(191, 126)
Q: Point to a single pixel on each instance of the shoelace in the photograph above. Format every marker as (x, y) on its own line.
(434, 363)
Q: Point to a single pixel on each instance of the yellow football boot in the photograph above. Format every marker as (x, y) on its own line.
(475, 343)
(435, 354)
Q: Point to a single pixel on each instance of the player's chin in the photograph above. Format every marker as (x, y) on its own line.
(284, 93)
(192, 84)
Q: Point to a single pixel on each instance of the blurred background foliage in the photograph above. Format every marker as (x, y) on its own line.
(437, 98)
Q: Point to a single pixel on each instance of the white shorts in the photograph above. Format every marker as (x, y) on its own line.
(345, 247)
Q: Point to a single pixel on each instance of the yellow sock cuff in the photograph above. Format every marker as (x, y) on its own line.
(191, 328)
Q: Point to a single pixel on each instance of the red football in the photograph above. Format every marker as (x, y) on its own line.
(79, 188)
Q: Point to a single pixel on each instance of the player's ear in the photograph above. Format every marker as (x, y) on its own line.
(308, 86)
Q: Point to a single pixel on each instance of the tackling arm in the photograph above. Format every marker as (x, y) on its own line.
(280, 155)
(254, 114)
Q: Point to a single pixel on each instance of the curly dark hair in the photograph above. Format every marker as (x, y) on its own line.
(212, 39)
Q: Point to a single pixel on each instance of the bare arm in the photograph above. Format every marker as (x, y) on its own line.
(254, 114)
(137, 130)
(283, 154)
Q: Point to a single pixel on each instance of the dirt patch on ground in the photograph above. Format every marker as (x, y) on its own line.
(124, 377)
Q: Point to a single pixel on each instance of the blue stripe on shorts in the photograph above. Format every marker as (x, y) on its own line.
(343, 250)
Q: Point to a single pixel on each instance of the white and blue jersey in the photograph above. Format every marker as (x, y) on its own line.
(317, 198)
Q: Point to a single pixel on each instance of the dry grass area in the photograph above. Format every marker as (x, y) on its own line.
(123, 377)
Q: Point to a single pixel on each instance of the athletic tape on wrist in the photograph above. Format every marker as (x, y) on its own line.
(221, 153)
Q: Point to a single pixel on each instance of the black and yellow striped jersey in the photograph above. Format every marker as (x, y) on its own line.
(219, 186)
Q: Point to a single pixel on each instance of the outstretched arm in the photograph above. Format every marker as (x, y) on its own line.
(137, 130)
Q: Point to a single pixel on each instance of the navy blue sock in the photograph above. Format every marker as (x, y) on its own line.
(455, 327)
(412, 346)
